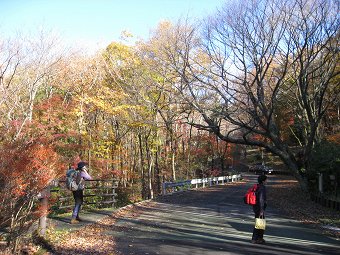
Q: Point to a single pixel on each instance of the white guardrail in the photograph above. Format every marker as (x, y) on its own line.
(172, 187)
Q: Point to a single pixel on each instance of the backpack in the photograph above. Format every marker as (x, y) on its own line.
(250, 197)
(71, 180)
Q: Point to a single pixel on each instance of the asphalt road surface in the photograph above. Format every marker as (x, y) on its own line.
(214, 221)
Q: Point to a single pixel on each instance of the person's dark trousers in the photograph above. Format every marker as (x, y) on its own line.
(78, 196)
(257, 233)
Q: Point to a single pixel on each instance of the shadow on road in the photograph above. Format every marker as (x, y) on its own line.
(213, 221)
(210, 221)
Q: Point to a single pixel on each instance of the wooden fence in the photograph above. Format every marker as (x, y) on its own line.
(326, 202)
(97, 193)
(171, 187)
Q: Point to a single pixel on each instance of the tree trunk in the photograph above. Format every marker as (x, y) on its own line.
(141, 155)
(151, 193)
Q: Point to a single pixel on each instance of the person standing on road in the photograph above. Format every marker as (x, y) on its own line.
(78, 195)
(259, 208)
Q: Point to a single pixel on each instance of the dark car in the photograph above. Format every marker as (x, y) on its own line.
(261, 169)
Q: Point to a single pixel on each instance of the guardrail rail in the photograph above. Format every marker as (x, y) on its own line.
(172, 187)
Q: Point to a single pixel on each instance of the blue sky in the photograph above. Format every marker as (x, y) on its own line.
(96, 22)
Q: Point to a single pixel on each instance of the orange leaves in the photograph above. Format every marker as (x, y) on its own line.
(27, 165)
(335, 138)
(28, 168)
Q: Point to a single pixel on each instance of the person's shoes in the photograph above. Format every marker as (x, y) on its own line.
(74, 221)
(259, 241)
(79, 219)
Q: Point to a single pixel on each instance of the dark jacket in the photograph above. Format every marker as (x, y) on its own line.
(261, 199)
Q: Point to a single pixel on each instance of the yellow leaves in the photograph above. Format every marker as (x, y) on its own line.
(109, 102)
(110, 107)
(77, 112)
(119, 54)
(102, 99)
(116, 47)
(102, 148)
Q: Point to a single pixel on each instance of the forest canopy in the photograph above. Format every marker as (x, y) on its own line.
(186, 103)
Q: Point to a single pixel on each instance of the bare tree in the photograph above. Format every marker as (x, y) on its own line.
(257, 60)
(25, 67)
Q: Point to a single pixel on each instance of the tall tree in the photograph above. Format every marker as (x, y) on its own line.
(255, 55)
(25, 69)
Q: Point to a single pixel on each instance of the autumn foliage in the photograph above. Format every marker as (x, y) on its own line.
(27, 166)
(168, 109)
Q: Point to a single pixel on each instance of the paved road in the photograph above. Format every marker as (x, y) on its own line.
(213, 222)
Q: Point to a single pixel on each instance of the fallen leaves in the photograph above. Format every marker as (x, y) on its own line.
(289, 198)
(88, 240)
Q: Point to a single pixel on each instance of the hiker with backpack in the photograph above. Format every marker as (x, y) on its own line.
(259, 208)
(75, 181)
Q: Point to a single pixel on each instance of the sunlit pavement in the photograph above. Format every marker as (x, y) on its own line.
(215, 222)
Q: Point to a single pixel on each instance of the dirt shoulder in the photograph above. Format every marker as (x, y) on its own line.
(288, 197)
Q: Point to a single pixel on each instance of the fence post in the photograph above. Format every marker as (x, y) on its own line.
(114, 186)
(163, 188)
(320, 182)
(43, 196)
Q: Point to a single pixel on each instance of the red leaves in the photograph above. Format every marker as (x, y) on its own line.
(27, 165)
